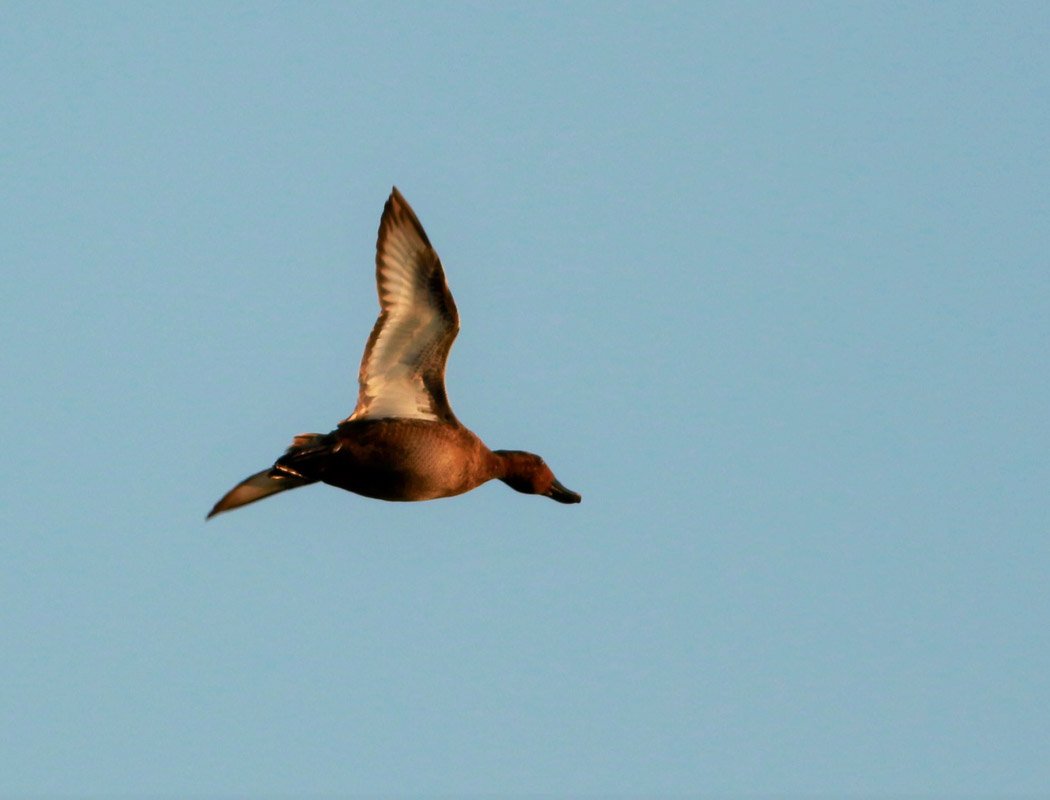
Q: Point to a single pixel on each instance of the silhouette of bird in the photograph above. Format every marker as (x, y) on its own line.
(402, 442)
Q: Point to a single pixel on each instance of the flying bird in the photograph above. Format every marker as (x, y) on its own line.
(402, 442)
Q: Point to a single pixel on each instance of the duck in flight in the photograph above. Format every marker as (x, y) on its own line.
(402, 442)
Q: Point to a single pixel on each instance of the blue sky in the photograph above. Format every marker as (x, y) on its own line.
(767, 283)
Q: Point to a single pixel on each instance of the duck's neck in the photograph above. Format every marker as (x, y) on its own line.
(507, 463)
(515, 468)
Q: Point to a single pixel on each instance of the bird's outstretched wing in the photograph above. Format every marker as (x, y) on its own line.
(403, 368)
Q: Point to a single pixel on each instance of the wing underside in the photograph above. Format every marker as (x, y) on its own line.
(402, 371)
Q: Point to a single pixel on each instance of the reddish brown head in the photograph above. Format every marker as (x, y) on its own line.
(527, 472)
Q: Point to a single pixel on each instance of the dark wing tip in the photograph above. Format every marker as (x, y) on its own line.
(398, 211)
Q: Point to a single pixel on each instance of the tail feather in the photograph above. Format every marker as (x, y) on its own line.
(260, 485)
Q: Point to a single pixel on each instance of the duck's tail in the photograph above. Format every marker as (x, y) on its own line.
(270, 481)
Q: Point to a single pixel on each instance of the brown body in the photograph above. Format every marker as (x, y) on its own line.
(402, 442)
(405, 459)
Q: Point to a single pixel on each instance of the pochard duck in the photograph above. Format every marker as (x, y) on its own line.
(402, 442)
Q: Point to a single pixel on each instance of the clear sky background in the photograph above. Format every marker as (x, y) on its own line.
(769, 284)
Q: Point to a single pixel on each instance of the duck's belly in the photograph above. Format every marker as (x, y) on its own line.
(406, 460)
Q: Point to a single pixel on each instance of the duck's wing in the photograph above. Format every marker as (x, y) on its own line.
(403, 369)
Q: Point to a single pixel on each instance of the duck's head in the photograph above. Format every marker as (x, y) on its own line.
(528, 473)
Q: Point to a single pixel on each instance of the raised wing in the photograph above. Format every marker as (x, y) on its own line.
(403, 368)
